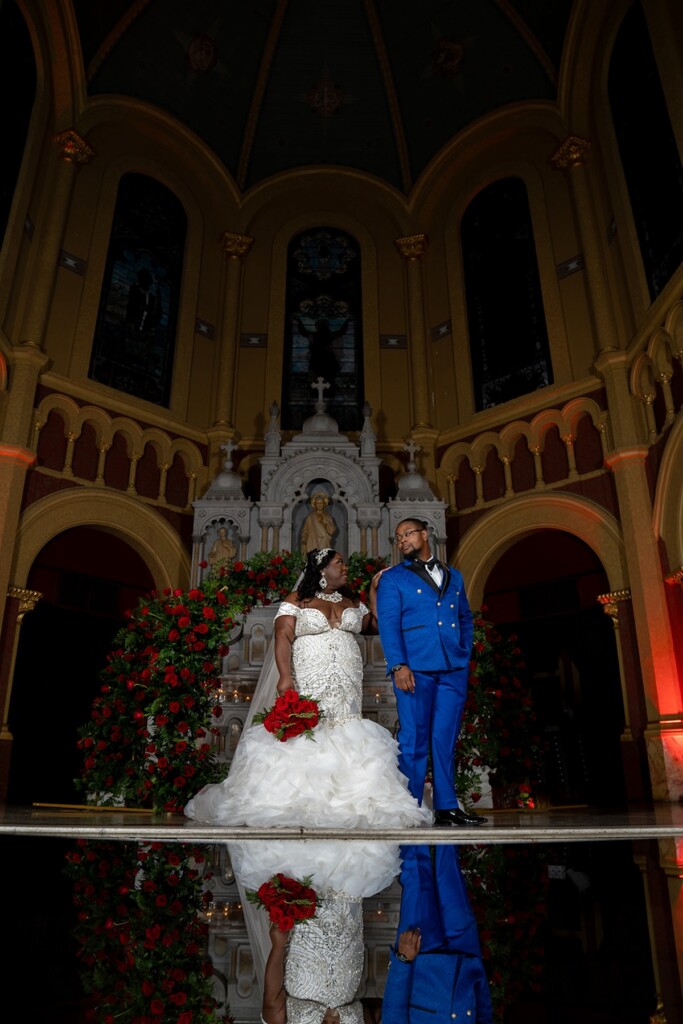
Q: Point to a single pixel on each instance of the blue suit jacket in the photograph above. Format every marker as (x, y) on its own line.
(446, 981)
(437, 987)
(427, 628)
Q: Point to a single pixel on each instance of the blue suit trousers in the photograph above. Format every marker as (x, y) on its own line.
(429, 719)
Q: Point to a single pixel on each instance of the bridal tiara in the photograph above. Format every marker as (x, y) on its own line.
(322, 554)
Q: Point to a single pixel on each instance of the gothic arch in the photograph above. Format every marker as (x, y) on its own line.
(667, 513)
(494, 533)
(144, 530)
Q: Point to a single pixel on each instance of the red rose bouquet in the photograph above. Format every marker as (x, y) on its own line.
(287, 900)
(290, 715)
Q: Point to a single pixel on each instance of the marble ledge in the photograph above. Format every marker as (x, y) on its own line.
(657, 821)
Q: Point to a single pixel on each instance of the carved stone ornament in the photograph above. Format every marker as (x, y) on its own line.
(73, 148)
(610, 604)
(572, 153)
(235, 246)
(27, 599)
(412, 247)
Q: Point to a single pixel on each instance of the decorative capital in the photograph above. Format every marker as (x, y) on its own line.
(235, 246)
(571, 153)
(610, 604)
(73, 148)
(412, 247)
(27, 599)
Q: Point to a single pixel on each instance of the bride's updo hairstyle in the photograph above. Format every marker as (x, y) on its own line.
(316, 562)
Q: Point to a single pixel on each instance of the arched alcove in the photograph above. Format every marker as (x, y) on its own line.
(544, 589)
(88, 578)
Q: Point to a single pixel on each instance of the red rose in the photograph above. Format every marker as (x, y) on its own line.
(183, 622)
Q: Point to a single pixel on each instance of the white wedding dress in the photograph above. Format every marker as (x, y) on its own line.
(347, 777)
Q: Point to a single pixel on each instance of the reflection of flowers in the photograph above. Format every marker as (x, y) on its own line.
(508, 891)
(141, 941)
(287, 900)
(291, 715)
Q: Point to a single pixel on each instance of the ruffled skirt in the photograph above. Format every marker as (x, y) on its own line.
(347, 777)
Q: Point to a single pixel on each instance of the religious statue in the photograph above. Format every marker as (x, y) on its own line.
(223, 550)
(319, 526)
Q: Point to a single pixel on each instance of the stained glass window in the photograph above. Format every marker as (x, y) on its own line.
(136, 324)
(506, 319)
(18, 81)
(323, 328)
(649, 154)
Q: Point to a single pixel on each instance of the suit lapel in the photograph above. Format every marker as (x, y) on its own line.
(420, 571)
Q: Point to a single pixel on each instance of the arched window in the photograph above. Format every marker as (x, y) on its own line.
(323, 332)
(648, 150)
(18, 81)
(136, 324)
(507, 329)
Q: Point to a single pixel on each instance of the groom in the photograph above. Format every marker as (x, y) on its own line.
(425, 625)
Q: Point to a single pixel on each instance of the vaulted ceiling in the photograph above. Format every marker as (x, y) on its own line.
(376, 85)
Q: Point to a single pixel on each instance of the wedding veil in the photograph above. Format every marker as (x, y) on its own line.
(255, 919)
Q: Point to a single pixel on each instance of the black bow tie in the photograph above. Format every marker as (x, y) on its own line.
(429, 564)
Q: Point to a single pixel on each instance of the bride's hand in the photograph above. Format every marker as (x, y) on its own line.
(376, 578)
(285, 683)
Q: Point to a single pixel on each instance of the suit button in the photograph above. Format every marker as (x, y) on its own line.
(419, 590)
(439, 623)
(452, 606)
(453, 1016)
(438, 604)
(452, 625)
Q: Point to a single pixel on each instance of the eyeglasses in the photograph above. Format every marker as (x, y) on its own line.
(402, 536)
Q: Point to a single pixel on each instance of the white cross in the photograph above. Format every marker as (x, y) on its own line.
(320, 385)
(412, 449)
(229, 447)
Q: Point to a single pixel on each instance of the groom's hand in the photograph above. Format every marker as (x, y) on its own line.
(409, 943)
(404, 679)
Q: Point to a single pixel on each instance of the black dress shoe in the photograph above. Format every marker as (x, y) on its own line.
(455, 816)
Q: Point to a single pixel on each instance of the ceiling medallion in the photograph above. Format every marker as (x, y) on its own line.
(202, 54)
(325, 98)
(447, 58)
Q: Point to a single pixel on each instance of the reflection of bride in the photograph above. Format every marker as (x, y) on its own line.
(313, 973)
(347, 777)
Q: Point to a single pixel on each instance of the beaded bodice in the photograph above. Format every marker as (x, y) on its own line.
(326, 660)
(324, 962)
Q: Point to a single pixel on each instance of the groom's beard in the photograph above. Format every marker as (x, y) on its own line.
(412, 556)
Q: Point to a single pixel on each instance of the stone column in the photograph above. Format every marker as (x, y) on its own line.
(19, 601)
(413, 248)
(656, 651)
(235, 248)
(73, 152)
(571, 157)
(16, 451)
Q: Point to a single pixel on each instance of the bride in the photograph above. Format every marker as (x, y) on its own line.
(348, 776)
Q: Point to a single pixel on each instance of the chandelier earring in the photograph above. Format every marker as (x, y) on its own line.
(334, 597)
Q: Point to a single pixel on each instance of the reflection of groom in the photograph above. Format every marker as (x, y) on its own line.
(436, 966)
(425, 625)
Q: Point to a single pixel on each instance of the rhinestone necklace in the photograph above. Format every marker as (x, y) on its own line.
(335, 597)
